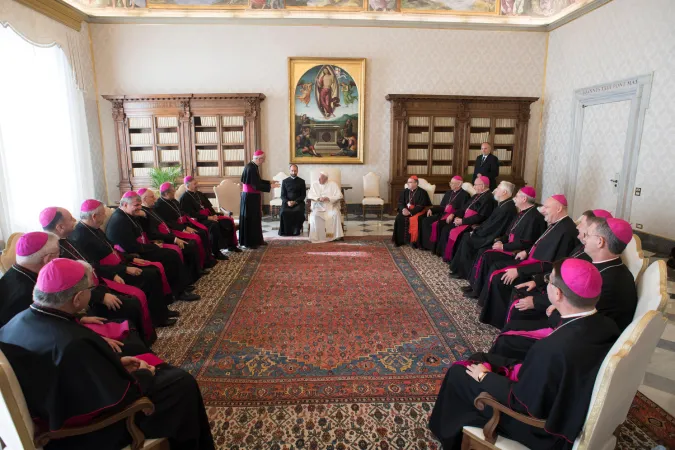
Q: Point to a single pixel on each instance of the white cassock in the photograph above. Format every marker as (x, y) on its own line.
(325, 221)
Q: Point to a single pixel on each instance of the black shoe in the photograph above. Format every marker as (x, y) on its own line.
(210, 263)
(173, 313)
(190, 288)
(470, 295)
(188, 297)
(234, 250)
(263, 243)
(168, 322)
(221, 257)
(253, 248)
(454, 276)
(204, 272)
(468, 288)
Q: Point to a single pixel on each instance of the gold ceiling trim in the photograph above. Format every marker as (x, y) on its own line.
(57, 10)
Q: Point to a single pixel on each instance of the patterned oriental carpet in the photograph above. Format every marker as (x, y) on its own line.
(336, 346)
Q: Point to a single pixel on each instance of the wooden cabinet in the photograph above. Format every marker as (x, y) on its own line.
(211, 136)
(438, 136)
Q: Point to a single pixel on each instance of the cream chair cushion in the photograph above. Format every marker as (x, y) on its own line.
(180, 191)
(275, 202)
(333, 173)
(652, 288)
(276, 192)
(468, 187)
(372, 201)
(8, 257)
(502, 442)
(228, 196)
(424, 184)
(634, 258)
(108, 212)
(371, 185)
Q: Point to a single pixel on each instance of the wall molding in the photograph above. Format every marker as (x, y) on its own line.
(58, 11)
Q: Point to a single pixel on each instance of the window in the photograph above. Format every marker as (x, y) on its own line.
(44, 154)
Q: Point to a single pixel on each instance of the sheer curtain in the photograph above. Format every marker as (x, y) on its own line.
(44, 154)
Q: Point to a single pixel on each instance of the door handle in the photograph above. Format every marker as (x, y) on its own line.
(615, 182)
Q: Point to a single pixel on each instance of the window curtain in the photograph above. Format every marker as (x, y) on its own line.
(44, 154)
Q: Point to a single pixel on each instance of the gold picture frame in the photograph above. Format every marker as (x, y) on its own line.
(326, 99)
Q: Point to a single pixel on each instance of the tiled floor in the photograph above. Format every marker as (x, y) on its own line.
(659, 382)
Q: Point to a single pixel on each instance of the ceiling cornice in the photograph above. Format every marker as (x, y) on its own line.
(59, 11)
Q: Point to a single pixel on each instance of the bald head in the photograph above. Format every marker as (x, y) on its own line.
(553, 210)
(148, 198)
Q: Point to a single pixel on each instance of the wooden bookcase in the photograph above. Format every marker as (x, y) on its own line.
(438, 136)
(211, 136)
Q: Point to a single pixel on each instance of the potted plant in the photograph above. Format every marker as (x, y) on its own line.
(160, 175)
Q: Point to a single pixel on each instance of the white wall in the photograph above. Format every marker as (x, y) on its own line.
(622, 39)
(154, 59)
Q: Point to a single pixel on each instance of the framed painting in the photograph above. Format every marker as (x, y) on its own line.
(326, 5)
(198, 4)
(488, 7)
(327, 110)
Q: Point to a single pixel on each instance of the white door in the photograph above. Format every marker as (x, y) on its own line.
(603, 140)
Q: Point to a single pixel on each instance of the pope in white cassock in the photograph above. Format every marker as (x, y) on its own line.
(325, 221)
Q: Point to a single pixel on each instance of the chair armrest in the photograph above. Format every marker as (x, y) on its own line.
(489, 430)
(142, 404)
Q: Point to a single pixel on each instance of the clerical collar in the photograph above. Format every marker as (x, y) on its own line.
(581, 314)
(52, 312)
(26, 272)
(560, 219)
(606, 261)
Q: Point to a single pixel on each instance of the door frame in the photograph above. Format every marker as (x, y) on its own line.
(637, 90)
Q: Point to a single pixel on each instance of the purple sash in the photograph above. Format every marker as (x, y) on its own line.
(143, 239)
(110, 330)
(449, 209)
(454, 235)
(194, 237)
(140, 295)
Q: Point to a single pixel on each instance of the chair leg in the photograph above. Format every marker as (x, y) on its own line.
(364, 212)
(381, 212)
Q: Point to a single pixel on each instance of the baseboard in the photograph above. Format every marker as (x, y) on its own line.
(654, 243)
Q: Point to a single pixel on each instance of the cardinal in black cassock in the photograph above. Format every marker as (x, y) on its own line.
(70, 376)
(250, 214)
(554, 382)
(95, 247)
(291, 218)
(618, 298)
(555, 243)
(475, 212)
(485, 234)
(432, 225)
(206, 232)
(126, 232)
(412, 204)
(520, 235)
(197, 205)
(158, 231)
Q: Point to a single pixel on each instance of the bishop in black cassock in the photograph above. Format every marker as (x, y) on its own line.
(555, 243)
(250, 214)
(412, 204)
(520, 235)
(197, 205)
(475, 212)
(432, 225)
(70, 376)
(485, 234)
(618, 298)
(554, 382)
(94, 246)
(293, 193)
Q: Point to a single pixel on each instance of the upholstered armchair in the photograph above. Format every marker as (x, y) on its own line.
(424, 184)
(333, 175)
(371, 194)
(8, 257)
(634, 258)
(617, 382)
(275, 202)
(18, 431)
(228, 197)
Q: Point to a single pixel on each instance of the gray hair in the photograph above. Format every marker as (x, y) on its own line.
(530, 200)
(58, 299)
(51, 246)
(508, 187)
(614, 245)
(87, 215)
(127, 200)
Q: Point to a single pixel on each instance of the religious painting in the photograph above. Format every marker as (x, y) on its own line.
(327, 101)
(266, 4)
(452, 6)
(382, 5)
(539, 8)
(326, 5)
(198, 4)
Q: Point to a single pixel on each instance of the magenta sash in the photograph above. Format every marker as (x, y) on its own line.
(249, 189)
(194, 222)
(140, 295)
(166, 288)
(165, 230)
(204, 212)
(454, 235)
(194, 237)
(526, 262)
(534, 334)
(479, 263)
(111, 330)
(150, 358)
(112, 259)
(510, 373)
(182, 220)
(511, 237)
(449, 209)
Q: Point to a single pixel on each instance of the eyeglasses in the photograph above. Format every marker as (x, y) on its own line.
(549, 280)
(589, 235)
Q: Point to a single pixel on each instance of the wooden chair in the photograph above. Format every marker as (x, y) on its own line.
(371, 194)
(652, 289)
(617, 382)
(228, 197)
(634, 258)
(275, 202)
(8, 257)
(335, 175)
(17, 429)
